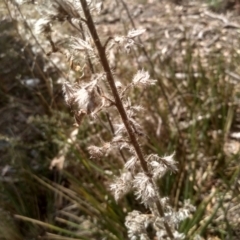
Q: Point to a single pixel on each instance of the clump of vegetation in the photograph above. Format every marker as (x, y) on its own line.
(125, 123)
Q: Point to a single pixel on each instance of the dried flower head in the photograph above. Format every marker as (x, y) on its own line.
(122, 185)
(68, 91)
(85, 98)
(43, 25)
(128, 41)
(137, 224)
(144, 189)
(132, 164)
(142, 78)
(80, 45)
(161, 234)
(96, 152)
(160, 165)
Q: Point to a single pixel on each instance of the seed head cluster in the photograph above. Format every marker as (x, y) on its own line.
(101, 93)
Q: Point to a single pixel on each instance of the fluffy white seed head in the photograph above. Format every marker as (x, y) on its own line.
(137, 224)
(122, 185)
(144, 189)
(141, 78)
(80, 45)
(160, 165)
(43, 25)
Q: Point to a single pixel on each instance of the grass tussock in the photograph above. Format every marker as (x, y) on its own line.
(96, 100)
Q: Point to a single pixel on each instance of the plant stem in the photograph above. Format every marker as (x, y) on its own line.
(119, 104)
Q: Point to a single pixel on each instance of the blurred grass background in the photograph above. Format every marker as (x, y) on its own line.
(193, 110)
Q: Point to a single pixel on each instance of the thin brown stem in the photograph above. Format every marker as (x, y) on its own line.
(111, 82)
(119, 104)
